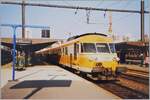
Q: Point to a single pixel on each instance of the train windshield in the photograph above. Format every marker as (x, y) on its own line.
(112, 47)
(88, 48)
(102, 48)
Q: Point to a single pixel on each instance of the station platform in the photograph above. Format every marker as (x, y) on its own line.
(50, 82)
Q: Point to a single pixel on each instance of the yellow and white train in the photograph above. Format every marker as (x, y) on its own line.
(90, 53)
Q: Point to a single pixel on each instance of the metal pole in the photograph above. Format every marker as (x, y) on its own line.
(23, 19)
(142, 20)
(14, 53)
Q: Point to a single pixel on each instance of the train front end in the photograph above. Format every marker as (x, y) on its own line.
(99, 58)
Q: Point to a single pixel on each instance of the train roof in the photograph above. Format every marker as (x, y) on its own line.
(70, 41)
(78, 36)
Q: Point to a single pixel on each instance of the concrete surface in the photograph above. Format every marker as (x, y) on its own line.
(6, 74)
(50, 82)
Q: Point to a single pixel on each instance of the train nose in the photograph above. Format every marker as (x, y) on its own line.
(100, 69)
(99, 58)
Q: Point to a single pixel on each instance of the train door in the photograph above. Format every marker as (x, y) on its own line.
(65, 56)
(71, 60)
(70, 54)
(63, 61)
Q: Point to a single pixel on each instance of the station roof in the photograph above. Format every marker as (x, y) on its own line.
(33, 44)
(33, 41)
(134, 43)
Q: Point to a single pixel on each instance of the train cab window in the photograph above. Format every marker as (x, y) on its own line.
(112, 47)
(102, 48)
(88, 48)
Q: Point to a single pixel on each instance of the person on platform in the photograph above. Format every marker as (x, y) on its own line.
(23, 60)
(142, 59)
(20, 61)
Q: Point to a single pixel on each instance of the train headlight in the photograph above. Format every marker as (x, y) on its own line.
(99, 64)
(116, 58)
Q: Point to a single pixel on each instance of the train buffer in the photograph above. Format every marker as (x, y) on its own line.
(51, 82)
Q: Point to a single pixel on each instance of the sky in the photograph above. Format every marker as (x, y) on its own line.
(64, 21)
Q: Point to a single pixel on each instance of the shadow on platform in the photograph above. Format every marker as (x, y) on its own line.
(42, 84)
(17, 89)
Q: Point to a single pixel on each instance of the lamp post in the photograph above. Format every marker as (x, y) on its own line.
(14, 52)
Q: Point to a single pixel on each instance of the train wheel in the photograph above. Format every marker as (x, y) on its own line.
(74, 70)
(94, 75)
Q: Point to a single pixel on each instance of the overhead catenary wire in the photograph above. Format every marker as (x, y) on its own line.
(141, 12)
(74, 7)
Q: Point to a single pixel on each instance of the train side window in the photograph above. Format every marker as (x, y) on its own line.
(63, 51)
(59, 51)
(81, 47)
(66, 51)
(76, 50)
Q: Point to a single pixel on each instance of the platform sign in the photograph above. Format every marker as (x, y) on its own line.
(45, 33)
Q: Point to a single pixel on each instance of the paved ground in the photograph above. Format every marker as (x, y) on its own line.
(49, 82)
(5, 75)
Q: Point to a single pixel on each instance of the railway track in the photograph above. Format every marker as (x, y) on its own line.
(136, 78)
(138, 73)
(134, 84)
(143, 72)
(125, 89)
(122, 91)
